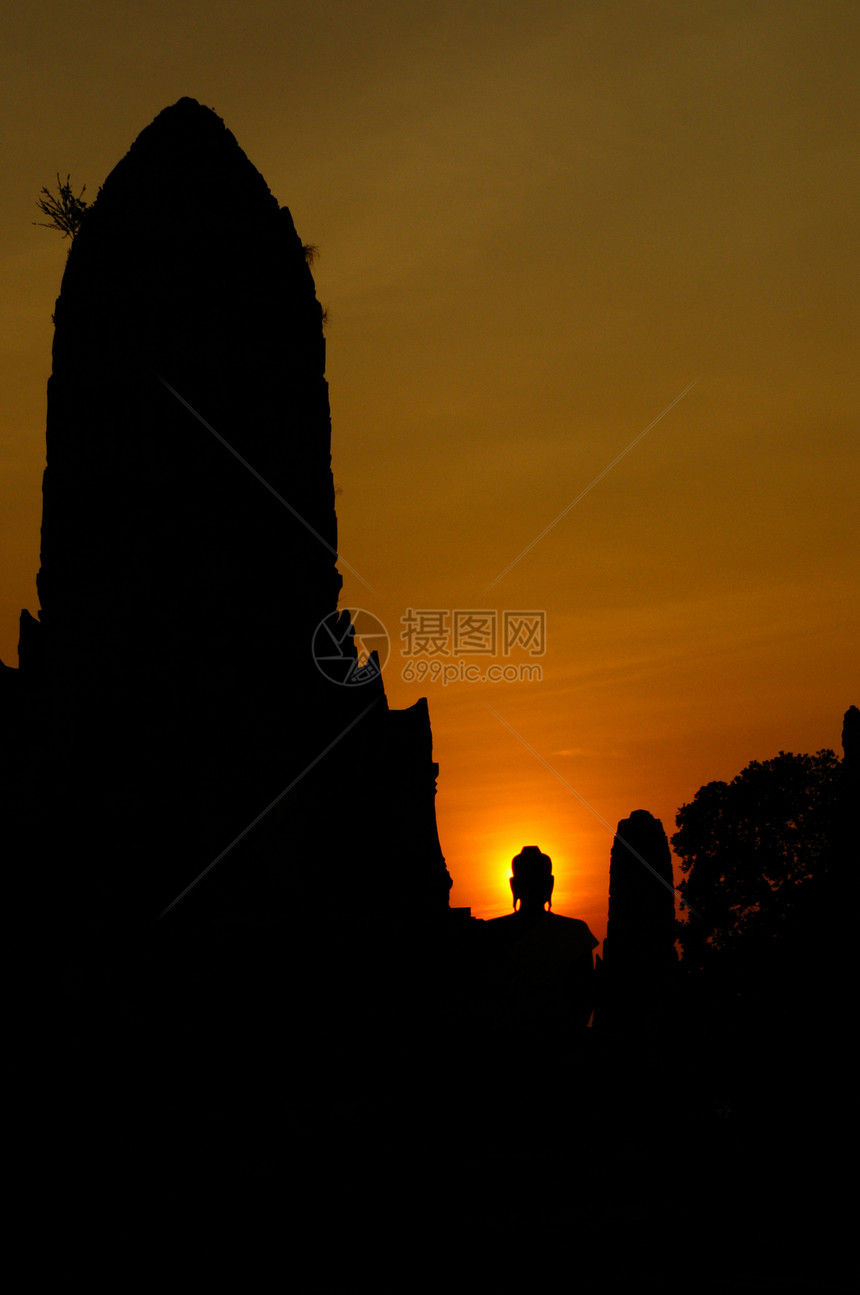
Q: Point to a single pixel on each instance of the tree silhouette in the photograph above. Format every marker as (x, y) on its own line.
(64, 210)
(756, 853)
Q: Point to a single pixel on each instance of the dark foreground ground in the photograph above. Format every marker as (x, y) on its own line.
(337, 1108)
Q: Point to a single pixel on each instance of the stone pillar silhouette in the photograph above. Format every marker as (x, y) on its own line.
(836, 914)
(851, 746)
(639, 956)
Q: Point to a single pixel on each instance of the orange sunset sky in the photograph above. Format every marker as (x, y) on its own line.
(538, 224)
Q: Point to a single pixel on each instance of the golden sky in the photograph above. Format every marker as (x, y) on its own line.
(538, 224)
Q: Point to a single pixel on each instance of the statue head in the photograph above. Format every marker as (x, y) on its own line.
(532, 880)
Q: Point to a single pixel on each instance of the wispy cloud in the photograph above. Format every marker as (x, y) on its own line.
(546, 530)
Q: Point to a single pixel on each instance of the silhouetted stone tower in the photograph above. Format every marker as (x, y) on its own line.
(639, 950)
(188, 552)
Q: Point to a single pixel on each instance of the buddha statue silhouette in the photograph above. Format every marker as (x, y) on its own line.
(546, 959)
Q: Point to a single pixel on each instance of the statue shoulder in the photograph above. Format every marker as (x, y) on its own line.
(574, 930)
